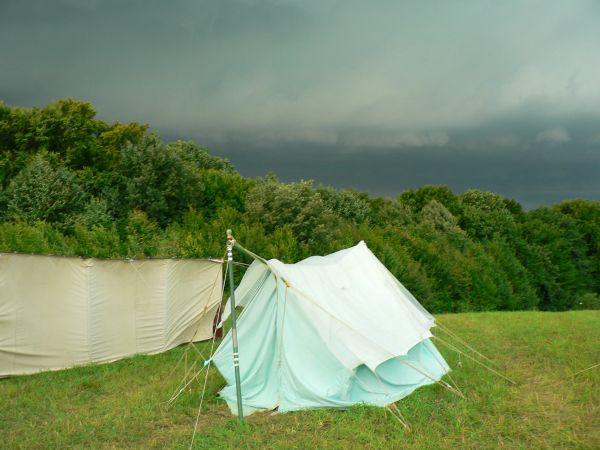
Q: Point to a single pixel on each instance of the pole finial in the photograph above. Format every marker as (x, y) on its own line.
(230, 238)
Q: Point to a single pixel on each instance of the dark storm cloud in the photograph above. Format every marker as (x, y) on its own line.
(380, 95)
(532, 173)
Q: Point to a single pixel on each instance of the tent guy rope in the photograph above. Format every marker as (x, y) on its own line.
(207, 366)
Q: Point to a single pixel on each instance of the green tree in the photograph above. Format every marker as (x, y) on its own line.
(586, 215)
(346, 204)
(561, 252)
(155, 179)
(485, 216)
(416, 199)
(42, 193)
(386, 211)
(223, 189)
(295, 205)
(436, 214)
(14, 123)
(199, 157)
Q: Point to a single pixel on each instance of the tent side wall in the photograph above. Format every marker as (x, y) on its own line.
(58, 312)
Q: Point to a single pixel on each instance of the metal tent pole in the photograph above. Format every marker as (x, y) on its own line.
(236, 355)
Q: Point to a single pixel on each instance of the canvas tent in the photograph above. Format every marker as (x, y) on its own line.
(57, 312)
(328, 331)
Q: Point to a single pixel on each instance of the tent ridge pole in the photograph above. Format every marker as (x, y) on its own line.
(234, 339)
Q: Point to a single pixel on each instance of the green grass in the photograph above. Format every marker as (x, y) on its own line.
(120, 405)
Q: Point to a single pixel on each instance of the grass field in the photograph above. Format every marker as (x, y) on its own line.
(121, 405)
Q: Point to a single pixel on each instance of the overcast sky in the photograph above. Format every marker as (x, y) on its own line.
(375, 95)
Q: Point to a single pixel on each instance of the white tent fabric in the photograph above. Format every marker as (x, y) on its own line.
(327, 332)
(334, 290)
(58, 312)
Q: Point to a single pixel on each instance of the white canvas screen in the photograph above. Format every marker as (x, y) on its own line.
(57, 312)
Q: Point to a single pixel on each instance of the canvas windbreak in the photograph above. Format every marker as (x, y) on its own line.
(57, 312)
(327, 332)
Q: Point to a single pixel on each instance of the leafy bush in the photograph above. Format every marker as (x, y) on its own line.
(436, 214)
(141, 235)
(385, 211)
(346, 204)
(199, 157)
(223, 189)
(37, 237)
(416, 199)
(485, 215)
(97, 241)
(297, 206)
(42, 193)
(588, 301)
(155, 179)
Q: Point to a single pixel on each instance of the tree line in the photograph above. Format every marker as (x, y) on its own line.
(71, 184)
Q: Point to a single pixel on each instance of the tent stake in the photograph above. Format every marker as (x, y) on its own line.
(234, 340)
